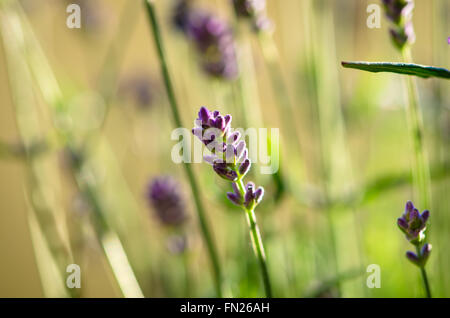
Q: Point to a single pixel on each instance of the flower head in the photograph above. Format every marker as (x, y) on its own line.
(399, 12)
(165, 196)
(413, 224)
(229, 155)
(211, 36)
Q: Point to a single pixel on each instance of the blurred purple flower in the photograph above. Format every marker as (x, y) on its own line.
(396, 10)
(399, 12)
(255, 11)
(211, 36)
(140, 87)
(165, 196)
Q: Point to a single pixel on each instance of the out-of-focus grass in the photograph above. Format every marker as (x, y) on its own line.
(295, 235)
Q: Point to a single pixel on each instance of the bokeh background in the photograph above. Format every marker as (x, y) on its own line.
(115, 104)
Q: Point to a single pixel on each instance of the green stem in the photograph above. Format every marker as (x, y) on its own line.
(421, 173)
(176, 117)
(258, 246)
(424, 276)
(279, 85)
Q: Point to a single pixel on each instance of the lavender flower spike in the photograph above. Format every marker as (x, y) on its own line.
(399, 12)
(413, 224)
(229, 159)
(229, 154)
(165, 196)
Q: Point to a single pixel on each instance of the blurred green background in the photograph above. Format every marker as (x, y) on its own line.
(370, 150)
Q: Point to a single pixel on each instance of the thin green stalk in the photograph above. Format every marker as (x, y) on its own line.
(424, 276)
(325, 113)
(421, 172)
(110, 242)
(258, 246)
(279, 85)
(177, 120)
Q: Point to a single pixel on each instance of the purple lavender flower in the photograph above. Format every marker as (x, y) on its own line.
(396, 10)
(399, 12)
(165, 196)
(255, 11)
(211, 36)
(229, 155)
(140, 87)
(413, 224)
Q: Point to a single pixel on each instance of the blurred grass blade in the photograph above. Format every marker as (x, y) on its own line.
(201, 212)
(399, 68)
(36, 63)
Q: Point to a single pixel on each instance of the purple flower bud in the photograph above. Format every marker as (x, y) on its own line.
(244, 167)
(425, 215)
(252, 197)
(399, 12)
(401, 222)
(413, 258)
(228, 119)
(234, 137)
(249, 196)
(240, 148)
(224, 171)
(236, 199)
(413, 224)
(425, 253)
(165, 196)
(220, 123)
(408, 209)
(204, 115)
(259, 193)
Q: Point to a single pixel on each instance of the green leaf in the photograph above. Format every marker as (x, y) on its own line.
(400, 68)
